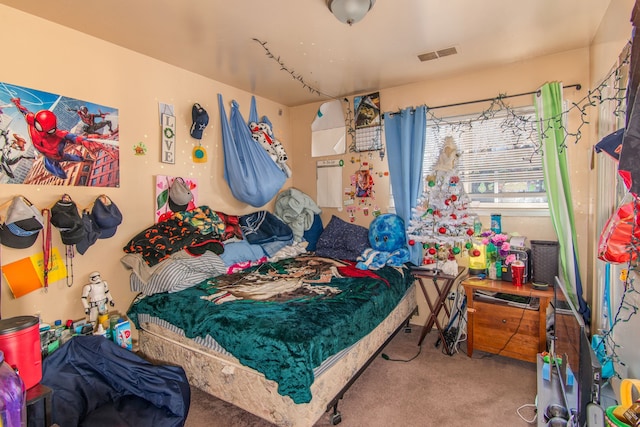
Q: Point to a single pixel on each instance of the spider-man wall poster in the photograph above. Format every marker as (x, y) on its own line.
(49, 139)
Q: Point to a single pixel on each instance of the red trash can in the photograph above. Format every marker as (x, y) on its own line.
(20, 343)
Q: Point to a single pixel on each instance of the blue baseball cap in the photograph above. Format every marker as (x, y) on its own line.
(200, 121)
(611, 144)
(106, 216)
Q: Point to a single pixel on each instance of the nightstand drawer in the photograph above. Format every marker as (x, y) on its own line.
(506, 330)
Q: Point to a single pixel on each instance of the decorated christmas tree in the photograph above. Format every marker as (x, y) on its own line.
(441, 222)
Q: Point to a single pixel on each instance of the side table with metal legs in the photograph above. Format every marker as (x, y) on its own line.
(442, 284)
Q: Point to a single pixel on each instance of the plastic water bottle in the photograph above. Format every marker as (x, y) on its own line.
(477, 227)
(13, 405)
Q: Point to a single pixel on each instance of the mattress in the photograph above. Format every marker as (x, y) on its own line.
(220, 374)
(283, 318)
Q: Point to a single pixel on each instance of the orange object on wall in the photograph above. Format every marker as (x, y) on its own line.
(614, 245)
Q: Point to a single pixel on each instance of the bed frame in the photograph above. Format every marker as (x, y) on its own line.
(222, 376)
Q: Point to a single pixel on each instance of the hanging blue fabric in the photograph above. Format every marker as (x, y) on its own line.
(598, 342)
(606, 302)
(252, 175)
(253, 114)
(405, 134)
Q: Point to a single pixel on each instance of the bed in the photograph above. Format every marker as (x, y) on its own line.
(282, 339)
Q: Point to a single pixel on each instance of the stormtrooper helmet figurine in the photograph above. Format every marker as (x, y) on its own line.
(96, 296)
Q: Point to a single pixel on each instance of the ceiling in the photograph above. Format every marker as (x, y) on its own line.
(315, 56)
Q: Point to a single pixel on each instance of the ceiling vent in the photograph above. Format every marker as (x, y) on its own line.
(437, 54)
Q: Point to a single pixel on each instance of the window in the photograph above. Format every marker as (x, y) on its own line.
(498, 165)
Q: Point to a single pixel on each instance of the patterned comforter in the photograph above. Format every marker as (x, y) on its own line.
(283, 318)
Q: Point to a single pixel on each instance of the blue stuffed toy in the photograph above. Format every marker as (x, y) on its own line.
(388, 244)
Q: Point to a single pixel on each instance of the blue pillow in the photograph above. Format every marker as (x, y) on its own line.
(241, 251)
(313, 233)
(342, 240)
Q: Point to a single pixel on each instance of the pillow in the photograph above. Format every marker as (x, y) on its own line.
(179, 273)
(342, 240)
(241, 251)
(313, 233)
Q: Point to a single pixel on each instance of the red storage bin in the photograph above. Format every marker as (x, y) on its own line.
(20, 343)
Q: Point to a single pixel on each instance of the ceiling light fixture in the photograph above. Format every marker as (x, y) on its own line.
(350, 11)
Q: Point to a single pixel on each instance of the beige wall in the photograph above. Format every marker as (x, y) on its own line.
(607, 45)
(613, 35)
(89, 69)
(106, 74)
(570, 68)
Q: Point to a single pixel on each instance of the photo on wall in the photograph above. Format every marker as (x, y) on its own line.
(368, 129)
(50, 139)
(364, 183)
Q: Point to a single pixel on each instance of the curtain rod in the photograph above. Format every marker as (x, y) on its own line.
(578, 86)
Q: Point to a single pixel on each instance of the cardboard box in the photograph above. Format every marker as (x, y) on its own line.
(121, 334)
(632, 415)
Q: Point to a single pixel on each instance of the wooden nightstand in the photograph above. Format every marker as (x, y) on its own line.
(500, 328)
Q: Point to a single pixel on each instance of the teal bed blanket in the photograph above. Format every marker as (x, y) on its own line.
(283, 318)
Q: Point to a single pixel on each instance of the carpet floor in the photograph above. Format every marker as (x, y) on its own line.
(433, 389)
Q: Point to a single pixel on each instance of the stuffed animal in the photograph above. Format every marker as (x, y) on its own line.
(262, 134)
(388, 244)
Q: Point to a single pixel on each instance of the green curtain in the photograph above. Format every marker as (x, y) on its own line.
(549, 111)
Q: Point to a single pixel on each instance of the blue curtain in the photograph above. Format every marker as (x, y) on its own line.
(405, 133)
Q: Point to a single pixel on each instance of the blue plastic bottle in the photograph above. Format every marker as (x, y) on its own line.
(496, 223)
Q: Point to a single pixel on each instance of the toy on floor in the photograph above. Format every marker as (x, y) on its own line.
(95, 296)
(388, 244)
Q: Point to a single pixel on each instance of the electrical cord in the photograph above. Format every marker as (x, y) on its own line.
(515, 332)
(458, 315)
(461, 307)
(390, 359)
(535, 412)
